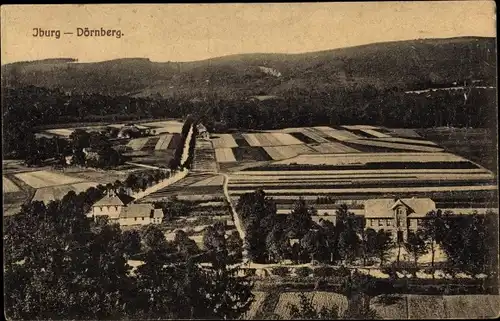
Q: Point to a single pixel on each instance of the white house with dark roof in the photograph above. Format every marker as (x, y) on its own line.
(121, 209)
(397, 215)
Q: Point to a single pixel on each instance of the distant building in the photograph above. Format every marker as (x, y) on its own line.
(121, 209)
(202, 131)
(397, 215)
(129, 131)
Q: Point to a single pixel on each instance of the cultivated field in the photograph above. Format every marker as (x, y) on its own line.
(47, 194)
(391, 306)
(8, 186)
(40, 179)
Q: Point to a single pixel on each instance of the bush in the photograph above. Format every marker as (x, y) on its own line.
(280, 271)
(303, 271)
(250, 272)
(324, 271)
(342, 272)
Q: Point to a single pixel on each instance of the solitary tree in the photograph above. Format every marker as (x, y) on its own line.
(416, 246)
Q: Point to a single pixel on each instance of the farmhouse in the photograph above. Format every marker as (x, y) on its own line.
(397, 215)
(202, 132)
(129, 131)
(119, 208)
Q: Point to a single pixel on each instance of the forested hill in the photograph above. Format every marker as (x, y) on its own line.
(414, 64)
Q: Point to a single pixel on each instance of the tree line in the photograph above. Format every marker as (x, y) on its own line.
(467, 240)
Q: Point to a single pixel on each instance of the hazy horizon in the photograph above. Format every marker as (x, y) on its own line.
(197, 32)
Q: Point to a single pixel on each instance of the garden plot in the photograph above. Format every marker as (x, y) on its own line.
(47, 194)
(255, 307)
(428, 307)
(39, 179)
(223, 141)
(284, 152)
(286, 299)
(471, 306)
(163, 142)
(327, 148)
(400, 146)
(8, 186)
(138, 143)
(329, 300)
(224, 155)
(390, 306)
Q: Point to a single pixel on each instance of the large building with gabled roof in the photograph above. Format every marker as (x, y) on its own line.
(121, 209)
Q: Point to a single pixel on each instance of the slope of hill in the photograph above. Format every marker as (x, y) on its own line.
(405, 64)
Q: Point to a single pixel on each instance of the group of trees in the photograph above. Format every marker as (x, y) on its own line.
(177, 161)
(466, 239)
(59, 263)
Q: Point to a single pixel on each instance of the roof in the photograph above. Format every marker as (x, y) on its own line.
(158, 212)
(201, 128)
(137, 210)
(117, 200)
(384, 207)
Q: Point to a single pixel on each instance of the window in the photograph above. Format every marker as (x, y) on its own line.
(116, 208)
(135, 218)
(380, 222)
(388, 222)
(143, 218)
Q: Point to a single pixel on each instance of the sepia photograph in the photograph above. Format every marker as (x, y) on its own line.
(250, 161)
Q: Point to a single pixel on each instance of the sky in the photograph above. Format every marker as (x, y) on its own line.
(179, 32)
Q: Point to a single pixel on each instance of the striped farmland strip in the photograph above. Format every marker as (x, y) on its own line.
(370, 190)
(224, 141)
(375, 133)
(406, 140)
(138, 143)
(311, 133)
(286, 139)
(331, 147)
(369, 142)
(404, 175)
(251, 139)
(315, 173)
(164, 141)
(224, 155)
(341, 135)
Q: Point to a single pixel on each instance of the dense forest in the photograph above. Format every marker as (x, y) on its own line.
(409, 65)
